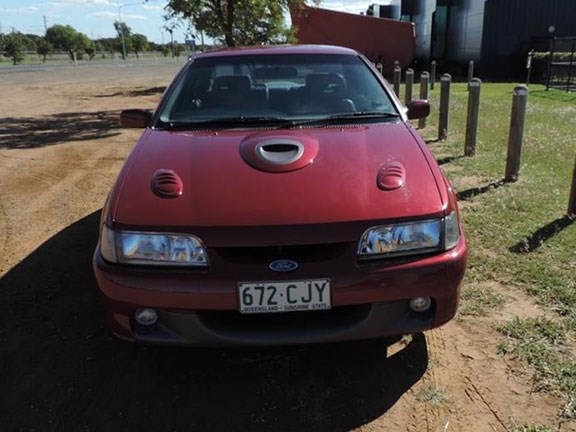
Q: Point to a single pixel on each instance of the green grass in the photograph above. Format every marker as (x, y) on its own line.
(541, 343)
(480, 300)
(531, 427)
(432, 395)
(500, 217)
(518, 233)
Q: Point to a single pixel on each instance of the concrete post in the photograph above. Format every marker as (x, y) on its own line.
(397, 79)
(409, 84)
(572, 201)
(445, 82)
(432, 74)
(424, 80)
(516, 136)
(472, 119)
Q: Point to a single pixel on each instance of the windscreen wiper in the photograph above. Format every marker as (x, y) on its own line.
(223, 122)
(339, 118)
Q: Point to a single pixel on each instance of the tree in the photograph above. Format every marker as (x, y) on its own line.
(237, 22)
(139, 43)
(30, 41)
(43, 48)
(66, 38)
(108, 45)
(14, 47)
(165, 49)
(91, 50)
(124, 37)
(83, 44)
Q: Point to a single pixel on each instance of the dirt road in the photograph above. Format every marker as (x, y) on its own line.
(60, 150)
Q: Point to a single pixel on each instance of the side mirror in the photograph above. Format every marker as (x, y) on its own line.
(135, 118)
(418, 109)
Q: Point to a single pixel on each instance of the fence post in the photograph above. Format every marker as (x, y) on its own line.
(409, 83)
(396, 63)
(445, 81)
(516, 136)
(569, 81)
(550, 60)
(472, 119)
(470, 70)
(424, 80)
(432, 74)
(572, 201)
(397, 79)
(529, 66)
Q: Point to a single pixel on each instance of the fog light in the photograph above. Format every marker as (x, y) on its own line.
(420, 304)
(146, 317)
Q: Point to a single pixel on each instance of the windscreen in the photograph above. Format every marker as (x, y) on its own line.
(288, 86)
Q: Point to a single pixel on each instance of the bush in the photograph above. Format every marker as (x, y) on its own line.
(540, 63)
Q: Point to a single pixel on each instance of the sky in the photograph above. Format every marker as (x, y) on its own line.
(95, 18)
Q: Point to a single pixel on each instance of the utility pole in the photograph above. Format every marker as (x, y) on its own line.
(45, 24)
(122, 27)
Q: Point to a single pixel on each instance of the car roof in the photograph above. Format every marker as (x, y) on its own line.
(279, 49)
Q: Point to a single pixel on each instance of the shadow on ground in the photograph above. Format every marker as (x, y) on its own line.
(448, 159)
(61, 370)
(135, 93)
(555, 94)
(468, 194)
(541, 235)
(33, 132)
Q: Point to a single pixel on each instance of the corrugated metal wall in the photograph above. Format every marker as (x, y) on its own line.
(512, 26)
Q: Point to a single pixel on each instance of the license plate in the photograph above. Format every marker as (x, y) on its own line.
(266, 297)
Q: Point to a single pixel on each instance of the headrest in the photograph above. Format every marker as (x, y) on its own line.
(327, 83)
(232, 83)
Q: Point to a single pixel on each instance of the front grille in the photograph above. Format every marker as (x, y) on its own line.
(300, 253)
(289, 322)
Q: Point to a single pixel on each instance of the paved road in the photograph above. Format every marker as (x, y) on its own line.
(89, 72)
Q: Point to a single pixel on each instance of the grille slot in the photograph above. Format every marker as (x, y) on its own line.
(391, 176)
(166, 184)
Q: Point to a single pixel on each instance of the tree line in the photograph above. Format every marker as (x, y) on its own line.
(64, 38)
(228, 22)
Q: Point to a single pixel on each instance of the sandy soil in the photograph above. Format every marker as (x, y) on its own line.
(60, 370)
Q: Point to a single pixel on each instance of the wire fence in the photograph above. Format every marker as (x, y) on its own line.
(562, 64)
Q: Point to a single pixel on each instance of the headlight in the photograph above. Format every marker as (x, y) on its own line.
(152, 248)
(410, 238)
(452, 231)
(108, 244)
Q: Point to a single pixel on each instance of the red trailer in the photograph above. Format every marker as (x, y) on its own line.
(380, 39)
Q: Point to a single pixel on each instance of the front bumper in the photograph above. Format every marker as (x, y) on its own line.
(200, 307)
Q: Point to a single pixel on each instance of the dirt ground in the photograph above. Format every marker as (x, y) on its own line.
(60, 370)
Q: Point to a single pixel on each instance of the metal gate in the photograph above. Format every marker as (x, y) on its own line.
(562, 64)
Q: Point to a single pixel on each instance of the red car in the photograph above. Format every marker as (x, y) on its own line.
(279, 195)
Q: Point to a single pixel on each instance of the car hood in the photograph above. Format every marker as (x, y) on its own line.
(223, 184)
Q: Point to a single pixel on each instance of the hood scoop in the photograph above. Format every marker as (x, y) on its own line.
(391, 175)
(166, 184)
(278, 153)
